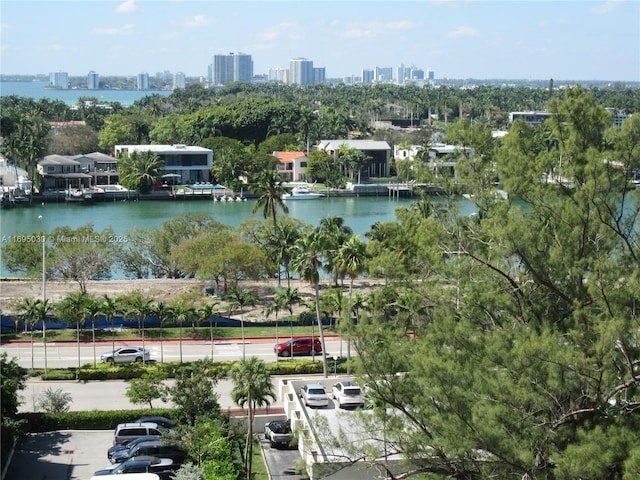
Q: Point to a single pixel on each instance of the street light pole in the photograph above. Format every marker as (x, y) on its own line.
(44, 291)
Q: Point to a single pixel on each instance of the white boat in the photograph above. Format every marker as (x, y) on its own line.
(302, 193)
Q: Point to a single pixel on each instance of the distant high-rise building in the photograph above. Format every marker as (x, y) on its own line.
(431, 76)
(59, 80)
(143, 81)
(179, 80)
(235, 67)
(93, 81)
(383, 74)
(401, 74)
(319, 74)
(367, 76)
(416, 74)
(301, 71)
(280, 75)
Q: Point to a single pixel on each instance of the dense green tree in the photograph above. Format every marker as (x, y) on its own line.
(147, 388)
(193, 393)
(139, 170)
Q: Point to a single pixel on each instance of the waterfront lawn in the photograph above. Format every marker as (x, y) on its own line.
(166, 333)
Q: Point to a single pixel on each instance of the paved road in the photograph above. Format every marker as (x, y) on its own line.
(63, 354)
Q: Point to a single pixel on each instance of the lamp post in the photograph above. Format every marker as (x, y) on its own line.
(44, 291)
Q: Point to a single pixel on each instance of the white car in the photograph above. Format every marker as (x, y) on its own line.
(348, 394)
(126, 355)
(314, 395)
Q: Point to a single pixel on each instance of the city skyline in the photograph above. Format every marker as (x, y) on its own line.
(581, 40)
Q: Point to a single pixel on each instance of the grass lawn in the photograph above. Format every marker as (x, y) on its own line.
(131, 335)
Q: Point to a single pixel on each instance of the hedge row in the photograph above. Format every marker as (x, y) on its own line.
(218, 369)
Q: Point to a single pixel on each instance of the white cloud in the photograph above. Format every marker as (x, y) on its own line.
(126, 29)
(288, 30)
(4, 27)
(606, 7)
(462, 32)
(376, 29)
(197, 21)
(128, 6)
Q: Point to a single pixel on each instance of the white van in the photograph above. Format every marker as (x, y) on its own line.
(125, 432)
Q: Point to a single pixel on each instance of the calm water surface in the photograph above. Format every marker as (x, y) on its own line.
(358, 214)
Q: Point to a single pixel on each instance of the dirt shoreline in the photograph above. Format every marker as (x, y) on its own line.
(161, 289)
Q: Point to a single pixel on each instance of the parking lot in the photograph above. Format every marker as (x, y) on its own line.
(77, 454)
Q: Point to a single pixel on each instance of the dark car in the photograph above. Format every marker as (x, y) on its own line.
(298, 346)
(126, 446)
(153, 448)
(165, 468)
(162, 421)
(278, 433)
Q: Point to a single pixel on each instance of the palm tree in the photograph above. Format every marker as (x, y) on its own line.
(307, 263)
(139, 307)
(333, 233)
(73, 309)
(109, 309)
(252, 388)
(289, 297)
(139, 170)
(182, 312)
(93, 310)
(27, 312)
(162, 311)
(241, 298)
(352, 258)
(270, 189)
(205, 313)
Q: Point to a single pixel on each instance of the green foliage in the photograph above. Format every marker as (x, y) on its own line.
(193, 392)
(12, 378)
(147, 388)
(54, 401)
(139, 170)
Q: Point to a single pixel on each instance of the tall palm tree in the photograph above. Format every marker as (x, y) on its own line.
(252, 387)
(352, 257)
(161, 310)
(93, 310)
(139, 307)
(110, 308)
(270, 189)
(333, 233)
(72, 309)
(206, 312)
(307, 262)
(139, 170)
(27, 311)
(289, 297)
(182, 313)
(241, 298)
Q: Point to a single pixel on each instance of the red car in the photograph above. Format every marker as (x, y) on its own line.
(298, 346)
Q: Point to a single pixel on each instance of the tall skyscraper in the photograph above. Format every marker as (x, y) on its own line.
(367, 76)
(143, 81)
(301, 71)
(235, 67)
(383, 74)
(93, 81)
(179, 80)
(59, 80)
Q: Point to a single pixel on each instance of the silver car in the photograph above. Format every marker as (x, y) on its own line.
(126, 355)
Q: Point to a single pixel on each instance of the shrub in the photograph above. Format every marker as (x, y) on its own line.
(54, 401)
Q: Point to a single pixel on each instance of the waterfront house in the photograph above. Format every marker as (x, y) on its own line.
(102, 168)
(192, 163)
(61, 172)
(440, 158)
(378, 154)
(291, 166)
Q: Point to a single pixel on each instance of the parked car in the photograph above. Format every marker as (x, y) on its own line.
(298, 346)
(348, 394)
(314, 395)
(132, 476)
(162, 421)
(125, 432)
(126, 355)
(152, 448)
(278, 432)
(165, 468)
(125, 446)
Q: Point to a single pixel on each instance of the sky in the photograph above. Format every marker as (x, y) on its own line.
(509, 39)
